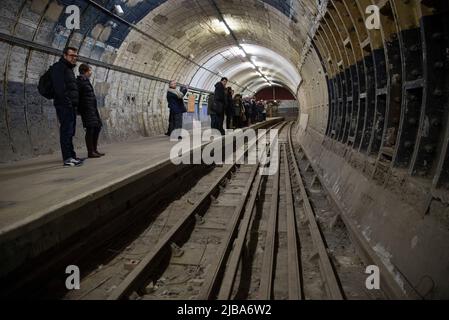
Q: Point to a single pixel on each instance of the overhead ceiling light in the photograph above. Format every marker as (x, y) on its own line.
(241, 52)
(225, 28)
(118, 10)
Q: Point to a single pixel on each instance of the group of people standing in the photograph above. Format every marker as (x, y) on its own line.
(239, 112)
(223, 105)
(73, 96)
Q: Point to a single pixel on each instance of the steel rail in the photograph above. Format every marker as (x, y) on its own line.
(143, 269)
(327, 271)
(294, 268)
(212, 280)
(266, 278)
(227, 283)
(233, 263)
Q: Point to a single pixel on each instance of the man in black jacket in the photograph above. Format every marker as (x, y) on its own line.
(66, 103)
(219, 105)
(88, 110)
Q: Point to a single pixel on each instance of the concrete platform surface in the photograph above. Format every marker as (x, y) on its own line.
(38, 190)
(34, 188)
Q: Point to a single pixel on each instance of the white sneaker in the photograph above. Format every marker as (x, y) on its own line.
(72, 163)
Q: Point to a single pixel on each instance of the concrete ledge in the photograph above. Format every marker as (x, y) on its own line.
(411, 246)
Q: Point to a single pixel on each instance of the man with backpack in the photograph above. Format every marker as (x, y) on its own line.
(59, 83)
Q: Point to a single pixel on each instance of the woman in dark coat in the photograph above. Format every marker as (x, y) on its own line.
(229, 107)
(87, 108)
(238, 110)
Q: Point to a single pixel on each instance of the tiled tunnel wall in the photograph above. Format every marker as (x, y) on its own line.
(375, 104)
(383, 93)
(131, 105)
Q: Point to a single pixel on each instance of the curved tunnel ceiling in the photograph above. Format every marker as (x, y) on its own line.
(213, 34)
(241, 68)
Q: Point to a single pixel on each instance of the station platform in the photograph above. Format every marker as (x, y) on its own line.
(43, 204)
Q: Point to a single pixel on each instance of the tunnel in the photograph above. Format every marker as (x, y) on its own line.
(365, 85)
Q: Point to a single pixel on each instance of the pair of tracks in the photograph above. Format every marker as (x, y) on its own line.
(219, 269)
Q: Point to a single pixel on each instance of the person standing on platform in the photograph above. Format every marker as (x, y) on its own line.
(247, 106)
(210, 103)
(238, 111)
(89, 112)
(66, 99)
(259, 108)
(175, 99)
(218, 107)
(229, 108)
(264, 111)
(253, 111)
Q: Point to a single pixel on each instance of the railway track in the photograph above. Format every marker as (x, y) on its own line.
(209, 213)
(236, 235)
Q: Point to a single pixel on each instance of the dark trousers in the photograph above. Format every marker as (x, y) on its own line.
(221, 123)
(229, 121)
(170, 124)
(67, 127)
(174, 122)
(216, 122)
(237, 122)
(92, 134)
(177, 121)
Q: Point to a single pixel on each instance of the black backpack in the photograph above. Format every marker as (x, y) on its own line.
(45, 86)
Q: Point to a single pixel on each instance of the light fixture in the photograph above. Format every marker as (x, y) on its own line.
(241, 52)
(118, 10)
(225, 28)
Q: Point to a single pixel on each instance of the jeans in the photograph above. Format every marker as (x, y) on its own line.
(67, 127)
(216, 122)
